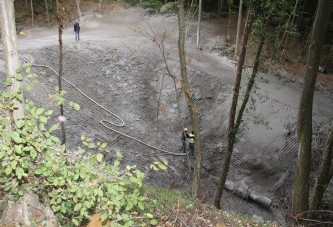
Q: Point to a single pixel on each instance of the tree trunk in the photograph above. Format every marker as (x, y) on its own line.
(323, 176)
(224, 6)
(250, 83)
(238, 25)
(32, 13)
(9, 40)
(61, 17)
(199, 24)
(26, 3)
(100, 6)
(300, 197)
(57, 4)
(219, 7)
(79, 13)
(232, 114)
(196, 191)
(47, 13)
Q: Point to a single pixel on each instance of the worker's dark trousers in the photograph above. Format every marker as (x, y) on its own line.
(183, 146)
(77, 36)
(191, 145)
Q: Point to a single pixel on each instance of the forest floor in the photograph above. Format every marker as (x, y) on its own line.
(121, 68)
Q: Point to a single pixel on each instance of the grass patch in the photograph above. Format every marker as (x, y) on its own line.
(179, 208)
(162, 200)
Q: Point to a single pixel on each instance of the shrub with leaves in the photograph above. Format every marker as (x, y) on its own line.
(76, 183)
(87, 185)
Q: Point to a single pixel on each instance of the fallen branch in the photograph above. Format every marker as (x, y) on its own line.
(316, 221)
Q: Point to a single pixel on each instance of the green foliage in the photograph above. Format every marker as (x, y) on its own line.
(159, 165)
(88, 185)
(152, 6)
(169, 7)
(163, 200)
(273, 20)
(76, 183)
(132, 2)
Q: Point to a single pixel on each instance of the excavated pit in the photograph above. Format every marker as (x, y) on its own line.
(124, 74)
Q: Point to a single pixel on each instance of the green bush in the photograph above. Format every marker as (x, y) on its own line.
(153, 5)
(76, 184)
(132, 2)
(169, 7)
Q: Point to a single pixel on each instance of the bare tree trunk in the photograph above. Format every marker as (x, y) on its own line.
(9, 40)
(61, 17)
(32, 13)
(189, 17)
(224, 6)
(26, 3)
(199, 24)
(57, 3)
(240, 10)
(323, 175)
(219, 7)
(232, 114)
(196, 191)
(300, 197)
(250, 83)
(79, 13)
(47, 13)
(100, 6)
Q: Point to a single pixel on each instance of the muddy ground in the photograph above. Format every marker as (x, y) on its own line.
(115, 73)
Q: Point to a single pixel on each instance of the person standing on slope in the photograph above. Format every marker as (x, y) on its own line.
(184, 136)
(191, 143)
(77, 30)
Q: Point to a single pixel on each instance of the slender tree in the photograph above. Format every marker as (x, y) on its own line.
(57, 5)
(47, 13)
(61, 17)
(240, 10)
(9, 40)
(100, 6)
(224, 6)
(79, 13)
(323, 175)
(196, 191)
(300, 197)
(232, 114)
(32, 12)
(199, 24)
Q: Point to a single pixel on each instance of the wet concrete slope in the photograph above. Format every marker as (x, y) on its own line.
(125, 83)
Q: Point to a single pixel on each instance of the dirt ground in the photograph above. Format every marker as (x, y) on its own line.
(115, 73)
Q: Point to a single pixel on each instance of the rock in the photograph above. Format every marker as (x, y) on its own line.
(197, 93)
(28, 211)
